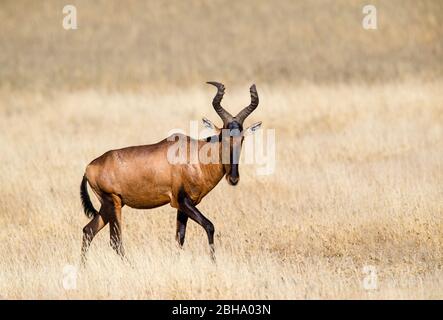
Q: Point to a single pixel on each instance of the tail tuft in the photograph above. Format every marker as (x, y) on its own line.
(88, 207)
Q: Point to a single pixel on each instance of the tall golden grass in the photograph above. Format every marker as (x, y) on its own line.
(359, 156)
(358, 182)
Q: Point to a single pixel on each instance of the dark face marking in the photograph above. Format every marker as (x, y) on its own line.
(235, 136)
(235, 128)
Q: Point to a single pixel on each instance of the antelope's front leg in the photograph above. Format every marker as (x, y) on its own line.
(182, 220)
(192, 212)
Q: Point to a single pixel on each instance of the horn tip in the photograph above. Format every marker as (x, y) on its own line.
(220, 86)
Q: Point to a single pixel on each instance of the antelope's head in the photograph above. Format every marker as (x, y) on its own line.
(232, 134)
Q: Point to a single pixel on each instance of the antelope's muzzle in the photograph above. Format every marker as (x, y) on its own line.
(233, 176)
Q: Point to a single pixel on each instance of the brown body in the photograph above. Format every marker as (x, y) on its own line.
(144, 177)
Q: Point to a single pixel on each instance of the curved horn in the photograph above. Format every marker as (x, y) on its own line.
(242, 115)
(224, 115)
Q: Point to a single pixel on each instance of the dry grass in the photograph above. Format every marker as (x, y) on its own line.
(145, 44)
(359, 124)
(358, 182)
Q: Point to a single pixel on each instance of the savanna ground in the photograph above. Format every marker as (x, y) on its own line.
(358, 118)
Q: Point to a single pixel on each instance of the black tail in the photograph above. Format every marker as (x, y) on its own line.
(89, 209)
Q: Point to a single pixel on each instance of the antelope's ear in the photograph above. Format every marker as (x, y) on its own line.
(208, 124)
(252, 129)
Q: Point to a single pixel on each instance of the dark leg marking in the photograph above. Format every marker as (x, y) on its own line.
(182, 220)
(192, 212)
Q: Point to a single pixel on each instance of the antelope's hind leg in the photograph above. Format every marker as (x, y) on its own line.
(115, 226)
(92, 228)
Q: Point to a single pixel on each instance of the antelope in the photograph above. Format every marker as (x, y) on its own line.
(142, 177)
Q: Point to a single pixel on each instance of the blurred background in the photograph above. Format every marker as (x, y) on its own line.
(137, 44)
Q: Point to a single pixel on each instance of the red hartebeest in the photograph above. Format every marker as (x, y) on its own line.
(143, 177)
